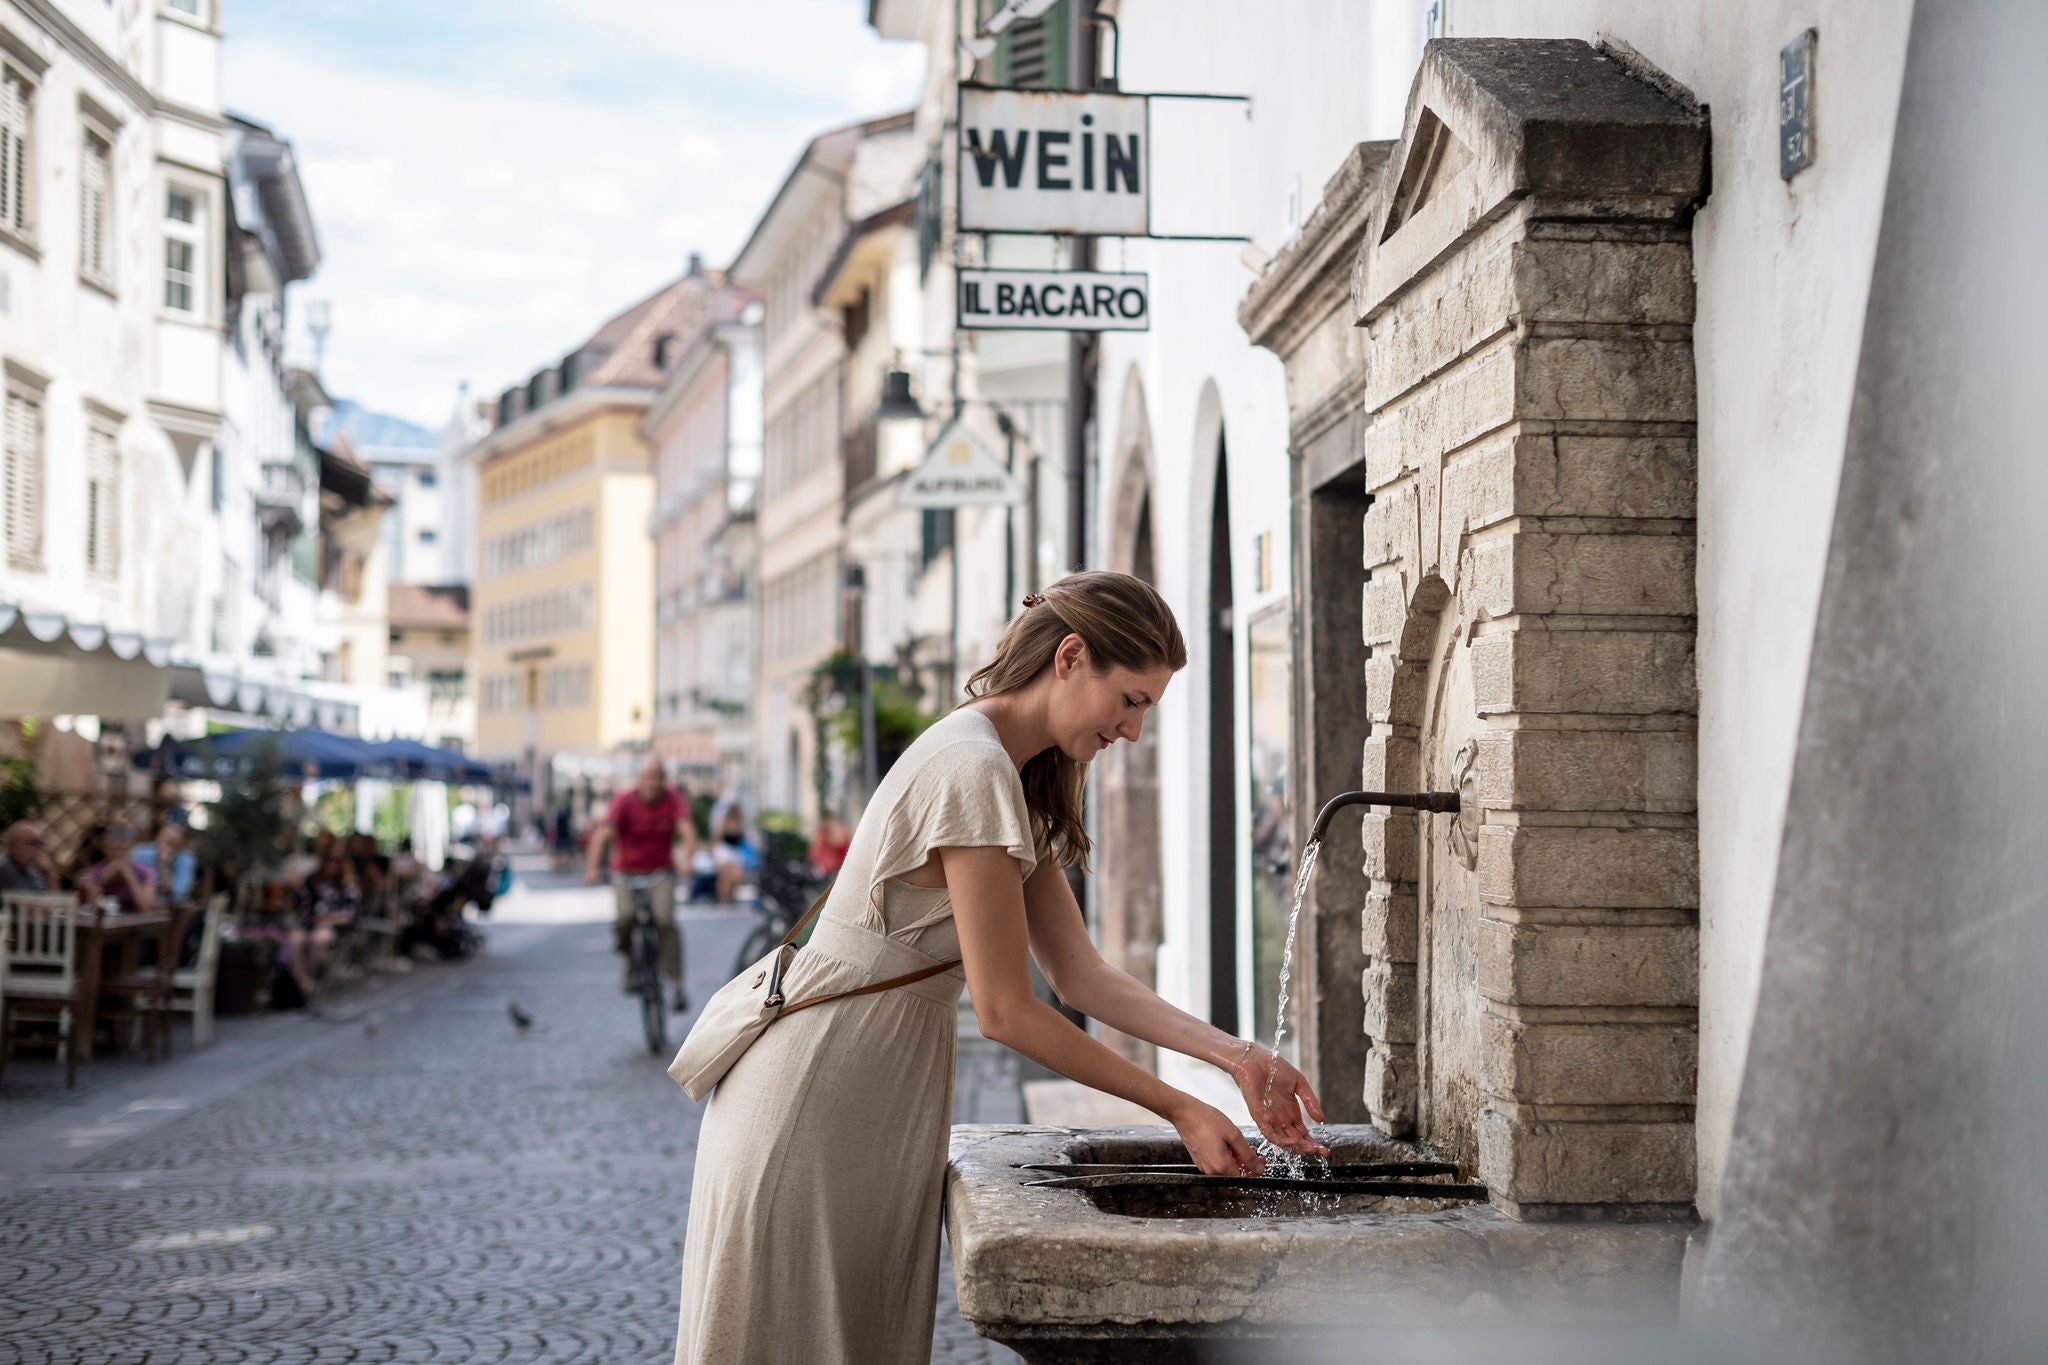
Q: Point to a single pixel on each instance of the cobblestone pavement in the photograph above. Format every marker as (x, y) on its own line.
(410, 1178)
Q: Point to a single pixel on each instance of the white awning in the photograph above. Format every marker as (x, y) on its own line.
(218, 685)
(50, 665)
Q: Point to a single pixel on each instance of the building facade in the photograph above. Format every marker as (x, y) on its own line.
(872, 288)
(112, 310)
(1253, 470)
(429, 658)
(259, 576)
(414, 526)
(563, 601)
(160, 481)
(705, 431)
(842, 176)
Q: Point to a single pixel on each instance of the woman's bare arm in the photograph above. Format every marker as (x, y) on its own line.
(1275, 1092)
(988, 909)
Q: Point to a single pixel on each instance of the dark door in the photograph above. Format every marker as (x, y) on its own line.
(1222, 765)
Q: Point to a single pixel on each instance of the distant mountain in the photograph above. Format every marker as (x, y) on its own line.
(378, 430)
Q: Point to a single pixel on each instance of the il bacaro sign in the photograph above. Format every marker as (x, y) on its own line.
(1054, 161)
(1055, 300)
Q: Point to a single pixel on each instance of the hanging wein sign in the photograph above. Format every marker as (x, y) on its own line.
(1054, 161)
(1055, 300)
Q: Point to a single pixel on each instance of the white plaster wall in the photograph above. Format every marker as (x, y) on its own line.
(1311, 102)
(1783, 273)
(101, 350)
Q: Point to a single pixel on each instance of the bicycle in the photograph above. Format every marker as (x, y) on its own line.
(787, 886)
(643, 957)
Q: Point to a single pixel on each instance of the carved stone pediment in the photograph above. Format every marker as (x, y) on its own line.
(1493, 122)
(1487, 334)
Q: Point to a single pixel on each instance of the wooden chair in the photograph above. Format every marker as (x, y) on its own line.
(142, 1001)
(192, 987)
(52, 957)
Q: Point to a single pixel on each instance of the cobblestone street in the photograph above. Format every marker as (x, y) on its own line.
(409, 1178)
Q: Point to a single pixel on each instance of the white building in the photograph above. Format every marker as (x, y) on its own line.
(155, 483)
(466, 425)
(414, 523)
(842, 176)
(1194, 480)
(112, 303)
(704, 430)
(258, 522)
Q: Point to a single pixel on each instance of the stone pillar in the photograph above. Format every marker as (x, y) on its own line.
(1526, 290)
(1519, 380)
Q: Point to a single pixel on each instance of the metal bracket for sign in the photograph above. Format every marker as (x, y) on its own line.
(1148, 96)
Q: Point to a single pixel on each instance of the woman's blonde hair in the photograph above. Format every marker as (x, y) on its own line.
(1124, 623)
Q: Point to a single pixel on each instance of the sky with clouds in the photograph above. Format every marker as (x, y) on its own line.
(490, 179)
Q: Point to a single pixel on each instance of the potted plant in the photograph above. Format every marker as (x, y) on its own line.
(21, 793)
(248, 957)
(245, 831)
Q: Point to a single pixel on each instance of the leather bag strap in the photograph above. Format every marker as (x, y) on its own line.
(775, 986)
(878, 986)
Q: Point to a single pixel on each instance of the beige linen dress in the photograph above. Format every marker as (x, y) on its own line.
(815, 1210)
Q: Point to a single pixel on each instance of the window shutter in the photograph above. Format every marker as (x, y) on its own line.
(15, 107)
(1033, 52)
(103, 502)
(95, 181)
(24, 479)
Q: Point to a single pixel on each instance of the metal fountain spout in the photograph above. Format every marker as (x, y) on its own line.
(1441, 802)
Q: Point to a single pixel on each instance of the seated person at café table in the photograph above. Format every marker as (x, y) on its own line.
(328, 899)
(169, 861)
(24, 863)
(118, 876)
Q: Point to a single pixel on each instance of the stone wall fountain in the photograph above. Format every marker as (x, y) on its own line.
(1487, 334)
(1064, 1272)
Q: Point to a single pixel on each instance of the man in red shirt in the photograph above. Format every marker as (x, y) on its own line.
(647, 823)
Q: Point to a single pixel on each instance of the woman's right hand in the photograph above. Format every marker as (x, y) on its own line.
(1217, 1145)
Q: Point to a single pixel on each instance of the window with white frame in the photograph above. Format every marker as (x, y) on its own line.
(184, 243)
(17, 136)
(96, 208)
(193, 8)
(22, 480)
(102, 502)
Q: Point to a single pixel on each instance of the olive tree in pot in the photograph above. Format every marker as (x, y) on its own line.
(245, 833)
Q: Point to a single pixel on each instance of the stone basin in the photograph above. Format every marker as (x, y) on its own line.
(1069, 1275)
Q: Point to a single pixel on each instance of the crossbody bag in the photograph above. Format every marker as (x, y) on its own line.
(742, 1009)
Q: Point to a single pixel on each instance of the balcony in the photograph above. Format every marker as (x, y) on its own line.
(281, 498)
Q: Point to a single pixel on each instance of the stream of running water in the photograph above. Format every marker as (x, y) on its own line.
(1280, 1161)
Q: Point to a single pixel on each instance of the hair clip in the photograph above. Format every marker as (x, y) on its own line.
(1032, 599)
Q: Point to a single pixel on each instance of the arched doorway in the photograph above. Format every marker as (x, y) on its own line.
(1132, 900)
(1222, 814)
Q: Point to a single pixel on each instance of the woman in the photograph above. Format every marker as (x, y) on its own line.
(328, 899)
(117, 875)
(731, 855)
(829, 843)
(814, 1215)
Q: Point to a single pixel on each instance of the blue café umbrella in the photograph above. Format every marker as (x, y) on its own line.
(302, 753)
(410, 758)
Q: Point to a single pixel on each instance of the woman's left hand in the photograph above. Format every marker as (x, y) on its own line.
(1277, 1094)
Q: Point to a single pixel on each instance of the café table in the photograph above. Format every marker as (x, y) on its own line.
(112, 951)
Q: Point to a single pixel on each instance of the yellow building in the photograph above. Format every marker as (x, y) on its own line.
(562, 612)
